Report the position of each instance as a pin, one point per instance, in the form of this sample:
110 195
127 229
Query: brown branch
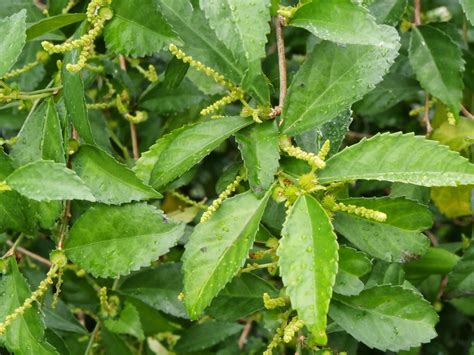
466 113
133 128
417 12
279 23
30 254
245 334
426 116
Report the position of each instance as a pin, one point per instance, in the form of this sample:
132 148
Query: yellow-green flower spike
28 303
138 117
234 95
20 71
4 187
314 160
330 203
221 198
277 338
108 305
187 200
324 151
272 303
212 73
292 328
451 119
308 182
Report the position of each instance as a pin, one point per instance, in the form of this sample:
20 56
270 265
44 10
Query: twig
417 12
133 129
31 255
279 22
90 344
13 246
64 224
426 116
432 237
466 113
245 334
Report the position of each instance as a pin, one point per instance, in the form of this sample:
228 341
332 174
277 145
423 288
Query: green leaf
26 334
258 145
390 157
162 99
13 31
40 137
398 239
393 89
437 62
388 12
137 30
169 158
323 19
51 24
127 323
14 211
110 182
109 241
205 335
217 249
45 180
468 8
308 263
243 26
352 265
461 279
333 78
9 8
202 43
386 318
437 261
158 287
73 93
241 297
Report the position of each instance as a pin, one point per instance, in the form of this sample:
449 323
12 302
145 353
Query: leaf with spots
309 262
217 249
13 31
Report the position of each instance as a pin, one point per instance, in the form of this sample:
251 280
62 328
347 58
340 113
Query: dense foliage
236 177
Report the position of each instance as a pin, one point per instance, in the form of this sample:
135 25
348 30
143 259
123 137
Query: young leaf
26 334
169 158
137 30
51 24
438 64
323 19
127 323
461 279
386 318
333 78
110 182
245 34
468 8
201 42
258 145
352 265
205 335
159 288
217 249
390 157
45 180
109 241
40 137
13 31
398 239
73 93
243 296
308 263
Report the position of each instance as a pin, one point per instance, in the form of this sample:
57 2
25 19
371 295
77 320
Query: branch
279 22
426 115
133 129
466 113
30 254
417 12
245 334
